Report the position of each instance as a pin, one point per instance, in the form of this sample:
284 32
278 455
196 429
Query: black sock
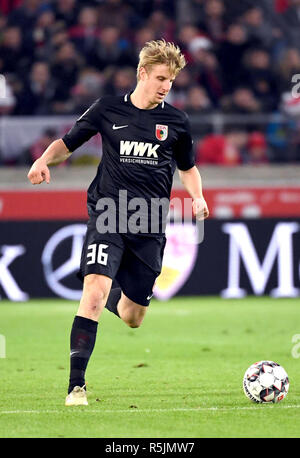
83 337
113 299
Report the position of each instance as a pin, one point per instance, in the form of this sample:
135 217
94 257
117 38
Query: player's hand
39 172
200 209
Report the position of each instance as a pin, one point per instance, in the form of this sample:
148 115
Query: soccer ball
266 381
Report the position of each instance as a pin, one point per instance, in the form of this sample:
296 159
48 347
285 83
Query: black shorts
132 261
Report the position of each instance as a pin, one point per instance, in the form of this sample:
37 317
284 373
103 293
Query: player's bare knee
134 321
96 289
90 307
96 299
134 324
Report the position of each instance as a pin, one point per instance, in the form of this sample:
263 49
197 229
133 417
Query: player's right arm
56 153
85 127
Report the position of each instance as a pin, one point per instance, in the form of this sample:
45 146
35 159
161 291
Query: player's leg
140 266
96 289
84 330
130 312
99 262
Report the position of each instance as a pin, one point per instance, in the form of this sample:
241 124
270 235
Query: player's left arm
191 180
189 174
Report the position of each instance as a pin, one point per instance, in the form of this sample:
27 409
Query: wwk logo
140 149
138 152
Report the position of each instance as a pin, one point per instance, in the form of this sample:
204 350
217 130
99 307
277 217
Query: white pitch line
193 409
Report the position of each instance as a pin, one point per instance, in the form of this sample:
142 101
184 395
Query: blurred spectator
223 149
198 101
288 67
234 10
118 14
122 82
205 67
189 11
257 149
43 29
162 26
66 11
291 17
209 75
37 149
37 93
58 37
88 88
278 134
283 135
212 23
141 37
258 28
186 34
65 69
13 57
109 50
179 93
259 76
198 46
86 32
25 15
242 101
230 55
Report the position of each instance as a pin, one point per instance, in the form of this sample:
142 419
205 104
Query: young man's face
157 82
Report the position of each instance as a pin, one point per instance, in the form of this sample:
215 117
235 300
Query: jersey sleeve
85 127
184 154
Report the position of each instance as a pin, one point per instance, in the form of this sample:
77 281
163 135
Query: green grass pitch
179 375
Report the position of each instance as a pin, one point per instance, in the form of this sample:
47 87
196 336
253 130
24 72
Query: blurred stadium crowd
58 56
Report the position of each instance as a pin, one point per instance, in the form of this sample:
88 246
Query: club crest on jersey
161 132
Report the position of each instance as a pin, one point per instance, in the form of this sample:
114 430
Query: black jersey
141 148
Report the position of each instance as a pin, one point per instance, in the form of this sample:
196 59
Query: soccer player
144 139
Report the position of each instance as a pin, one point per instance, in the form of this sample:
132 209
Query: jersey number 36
97 254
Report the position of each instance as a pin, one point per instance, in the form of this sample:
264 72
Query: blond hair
158 52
